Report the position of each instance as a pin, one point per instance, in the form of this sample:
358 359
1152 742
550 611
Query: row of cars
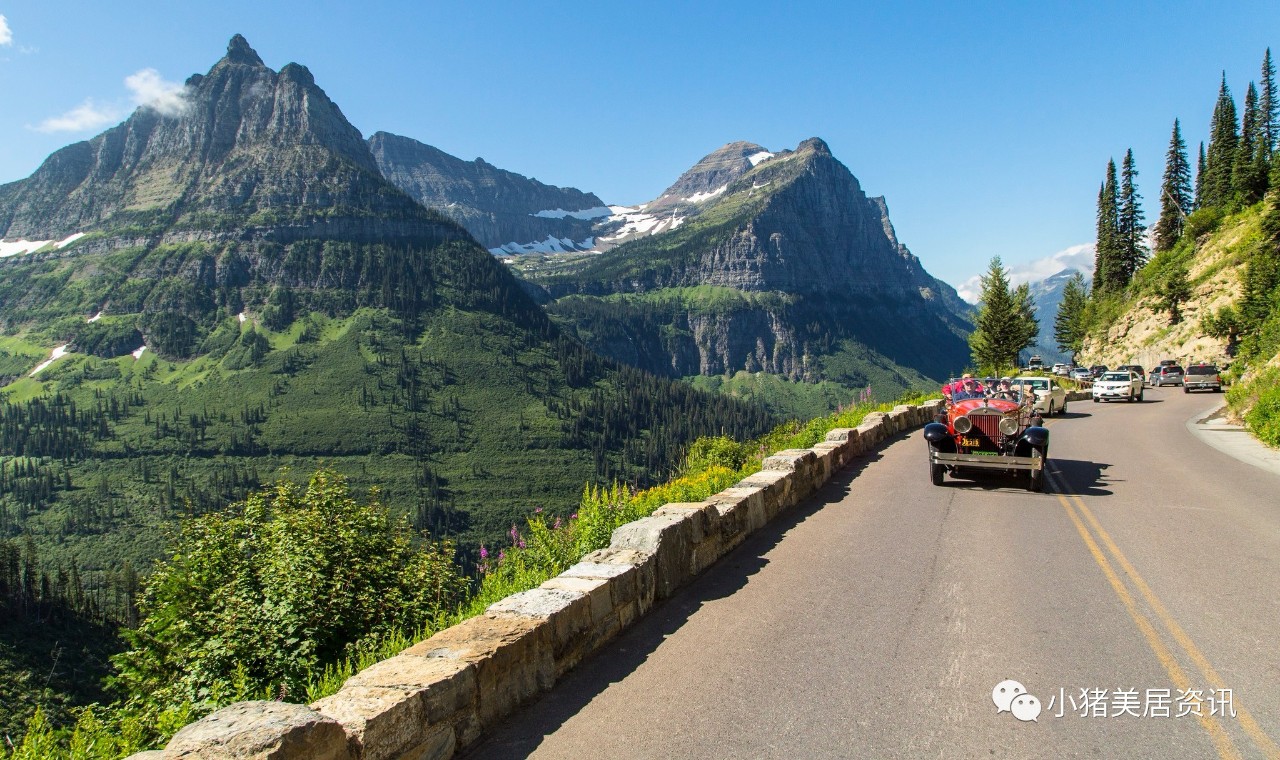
1128 380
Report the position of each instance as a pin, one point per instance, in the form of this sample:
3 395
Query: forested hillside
1210 289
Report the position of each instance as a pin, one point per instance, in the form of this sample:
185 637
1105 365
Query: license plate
969 442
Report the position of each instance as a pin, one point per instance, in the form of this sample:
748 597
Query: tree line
1234 171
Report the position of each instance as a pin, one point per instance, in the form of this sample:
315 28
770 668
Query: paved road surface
875 620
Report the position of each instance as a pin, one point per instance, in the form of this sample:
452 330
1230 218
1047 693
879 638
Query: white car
1114 386
1050 397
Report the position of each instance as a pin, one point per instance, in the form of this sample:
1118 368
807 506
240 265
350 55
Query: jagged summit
247 143
239 51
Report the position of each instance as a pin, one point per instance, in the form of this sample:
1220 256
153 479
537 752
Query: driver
1005 390
969 387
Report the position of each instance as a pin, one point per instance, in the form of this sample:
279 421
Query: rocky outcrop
494 205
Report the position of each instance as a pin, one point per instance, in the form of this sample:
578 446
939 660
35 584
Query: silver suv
1166 374
1202 377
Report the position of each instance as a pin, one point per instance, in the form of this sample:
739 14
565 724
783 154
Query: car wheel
1035 480
1050 412
1095 399
1063 410
1185 389
935 470
1139 395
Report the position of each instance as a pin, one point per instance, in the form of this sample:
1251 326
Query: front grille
988 425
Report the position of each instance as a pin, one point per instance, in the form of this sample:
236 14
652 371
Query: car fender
939 437
1035 437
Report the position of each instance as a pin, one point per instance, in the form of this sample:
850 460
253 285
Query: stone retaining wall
439 695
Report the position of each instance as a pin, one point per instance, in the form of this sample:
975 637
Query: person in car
1005 390
968 388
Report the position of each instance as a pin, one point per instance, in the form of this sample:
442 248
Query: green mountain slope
786 268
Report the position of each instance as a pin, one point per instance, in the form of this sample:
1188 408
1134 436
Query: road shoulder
1212 428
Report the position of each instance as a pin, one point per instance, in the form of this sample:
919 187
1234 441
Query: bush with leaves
259 597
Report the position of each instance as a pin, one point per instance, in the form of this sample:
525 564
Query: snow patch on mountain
708 195
58 353
756 158
550 245
31 246
95 317
587 213
137 352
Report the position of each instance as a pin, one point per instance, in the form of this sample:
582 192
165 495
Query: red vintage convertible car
989 434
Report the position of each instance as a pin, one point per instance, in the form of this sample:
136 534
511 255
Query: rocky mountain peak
814 144
716 170
239 51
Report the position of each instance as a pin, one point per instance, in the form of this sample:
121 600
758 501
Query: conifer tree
1107 265
1130 230
1005 324
1247 175
1175 192
1068 324
1268 108
1220 158
1200 171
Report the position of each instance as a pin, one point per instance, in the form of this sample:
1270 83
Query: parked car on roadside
1081 373
1202 377
1050 397
1134 368
1097 369
1166 374
1117 385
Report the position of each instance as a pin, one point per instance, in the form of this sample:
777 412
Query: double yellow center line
1076 510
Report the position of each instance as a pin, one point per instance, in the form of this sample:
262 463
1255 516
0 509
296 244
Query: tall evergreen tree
1268 108
1220 158
1130 231
1175 192
1248 176
1200 172
1005 324
1107 270
1068 324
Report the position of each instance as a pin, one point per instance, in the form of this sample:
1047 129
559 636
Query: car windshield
1121 377
1204 369
1038 383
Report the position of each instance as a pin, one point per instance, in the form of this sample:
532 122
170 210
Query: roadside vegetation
288 593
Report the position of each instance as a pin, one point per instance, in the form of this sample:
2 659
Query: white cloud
149 90
1076 257
146 89
88 115
6 35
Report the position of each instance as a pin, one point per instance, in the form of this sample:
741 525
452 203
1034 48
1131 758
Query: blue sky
987 126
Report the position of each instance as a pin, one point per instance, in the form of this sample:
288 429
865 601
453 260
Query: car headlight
1009 425
963 425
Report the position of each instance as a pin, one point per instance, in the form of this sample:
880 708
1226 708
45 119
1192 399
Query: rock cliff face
250 152
498 207
795 224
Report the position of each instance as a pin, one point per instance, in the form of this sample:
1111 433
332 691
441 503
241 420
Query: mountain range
235 288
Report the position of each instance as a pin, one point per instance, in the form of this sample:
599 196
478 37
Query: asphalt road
875 620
